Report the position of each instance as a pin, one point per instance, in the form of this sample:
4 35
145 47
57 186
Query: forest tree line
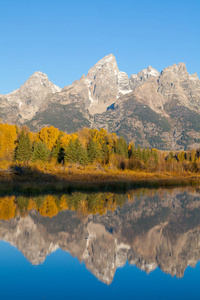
87 147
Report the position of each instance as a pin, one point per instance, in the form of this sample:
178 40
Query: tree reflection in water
149 228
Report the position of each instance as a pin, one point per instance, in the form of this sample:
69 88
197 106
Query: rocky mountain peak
150 71
107 98
194 76
106 65
182 67
110 58
31 94
137 80
175 69
105 84
172 86
40 81
39 75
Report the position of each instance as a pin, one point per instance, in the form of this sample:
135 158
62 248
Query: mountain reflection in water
149 228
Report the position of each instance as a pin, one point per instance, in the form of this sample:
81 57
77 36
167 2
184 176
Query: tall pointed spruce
40 152
93 151
23 151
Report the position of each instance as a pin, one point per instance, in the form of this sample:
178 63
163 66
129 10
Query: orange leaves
32 137
31 205
8 136
63 203
48 135
64 140
7 208
49 207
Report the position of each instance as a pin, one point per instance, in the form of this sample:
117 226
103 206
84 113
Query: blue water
62 276
156 228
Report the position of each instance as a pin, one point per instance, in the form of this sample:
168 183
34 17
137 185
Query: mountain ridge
106 97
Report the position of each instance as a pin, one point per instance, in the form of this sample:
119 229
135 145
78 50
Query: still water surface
139 245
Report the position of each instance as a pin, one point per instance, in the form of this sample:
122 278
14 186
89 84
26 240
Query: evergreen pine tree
40 152
144 155
92 151
155 156
75 152
55 150
80 154
23 151
70 152
134 155
121 147
148 153
139 153
58 152
104 152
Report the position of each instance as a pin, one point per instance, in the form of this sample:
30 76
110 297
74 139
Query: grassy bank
33 180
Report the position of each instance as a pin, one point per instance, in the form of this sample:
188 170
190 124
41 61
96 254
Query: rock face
105 83
138 79
31 95
153 109
160 230
8 112
173 85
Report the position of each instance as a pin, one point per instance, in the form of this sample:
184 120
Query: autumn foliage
88 147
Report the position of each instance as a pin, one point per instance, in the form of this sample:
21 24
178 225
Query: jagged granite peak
194 77
142 76
30 96
175 95
176 68
161 111
176 84
153 109
105 84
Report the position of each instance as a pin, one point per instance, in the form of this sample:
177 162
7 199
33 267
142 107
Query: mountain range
151 108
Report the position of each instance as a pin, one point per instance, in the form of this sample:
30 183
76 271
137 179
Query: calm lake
137 245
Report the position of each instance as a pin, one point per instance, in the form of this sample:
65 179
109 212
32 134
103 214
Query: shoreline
36 183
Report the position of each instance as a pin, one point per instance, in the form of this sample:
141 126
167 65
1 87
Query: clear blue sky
65 38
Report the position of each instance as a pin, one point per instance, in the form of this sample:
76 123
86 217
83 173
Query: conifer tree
148 153
80 154
23 151
139 152
104 152
40 152
55 150
93 152
144 155
58 152
121 147
75 152
155 155
70 152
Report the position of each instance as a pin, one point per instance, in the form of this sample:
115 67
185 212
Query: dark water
139 245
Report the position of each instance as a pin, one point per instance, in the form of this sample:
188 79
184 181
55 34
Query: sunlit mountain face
148 228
